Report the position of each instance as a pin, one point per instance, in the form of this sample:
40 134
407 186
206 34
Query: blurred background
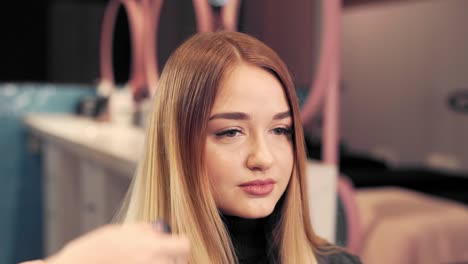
403 118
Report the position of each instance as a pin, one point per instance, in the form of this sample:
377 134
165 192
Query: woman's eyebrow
282 115
230 115
244 116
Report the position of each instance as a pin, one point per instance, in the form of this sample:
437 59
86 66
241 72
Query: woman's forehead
250 92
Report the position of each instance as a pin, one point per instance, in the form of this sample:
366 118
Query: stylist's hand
126 244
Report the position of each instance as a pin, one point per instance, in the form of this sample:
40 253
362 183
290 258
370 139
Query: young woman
224 163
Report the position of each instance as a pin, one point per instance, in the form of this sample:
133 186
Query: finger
171 245
181 260
161 226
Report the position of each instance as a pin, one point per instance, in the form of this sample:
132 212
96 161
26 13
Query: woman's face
249 151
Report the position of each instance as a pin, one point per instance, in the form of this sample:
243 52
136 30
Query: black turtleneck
253 238
248 238
252 241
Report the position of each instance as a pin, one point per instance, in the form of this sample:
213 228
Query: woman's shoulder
337 256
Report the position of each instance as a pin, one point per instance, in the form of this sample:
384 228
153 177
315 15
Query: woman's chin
256 212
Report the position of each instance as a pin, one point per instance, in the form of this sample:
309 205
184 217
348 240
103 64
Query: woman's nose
260 157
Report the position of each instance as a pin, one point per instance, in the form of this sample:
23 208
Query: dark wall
291 28
58 41
23 41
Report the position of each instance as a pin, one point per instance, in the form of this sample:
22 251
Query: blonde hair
171 181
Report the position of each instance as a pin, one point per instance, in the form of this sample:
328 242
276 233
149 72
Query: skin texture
253 144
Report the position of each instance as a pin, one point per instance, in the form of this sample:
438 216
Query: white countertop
116 146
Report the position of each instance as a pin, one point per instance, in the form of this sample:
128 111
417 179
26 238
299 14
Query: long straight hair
171 182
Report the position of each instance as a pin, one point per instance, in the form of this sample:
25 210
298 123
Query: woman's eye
228 133
282 131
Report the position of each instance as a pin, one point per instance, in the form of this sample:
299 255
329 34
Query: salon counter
87 168
88 165
114 146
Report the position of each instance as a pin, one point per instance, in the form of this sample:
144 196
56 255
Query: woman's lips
258 187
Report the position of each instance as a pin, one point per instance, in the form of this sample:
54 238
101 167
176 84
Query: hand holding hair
126 244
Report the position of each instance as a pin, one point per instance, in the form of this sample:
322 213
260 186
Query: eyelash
233 132
227 132
283 131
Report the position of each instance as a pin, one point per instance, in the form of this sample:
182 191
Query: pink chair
207 20
143 18
324 93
